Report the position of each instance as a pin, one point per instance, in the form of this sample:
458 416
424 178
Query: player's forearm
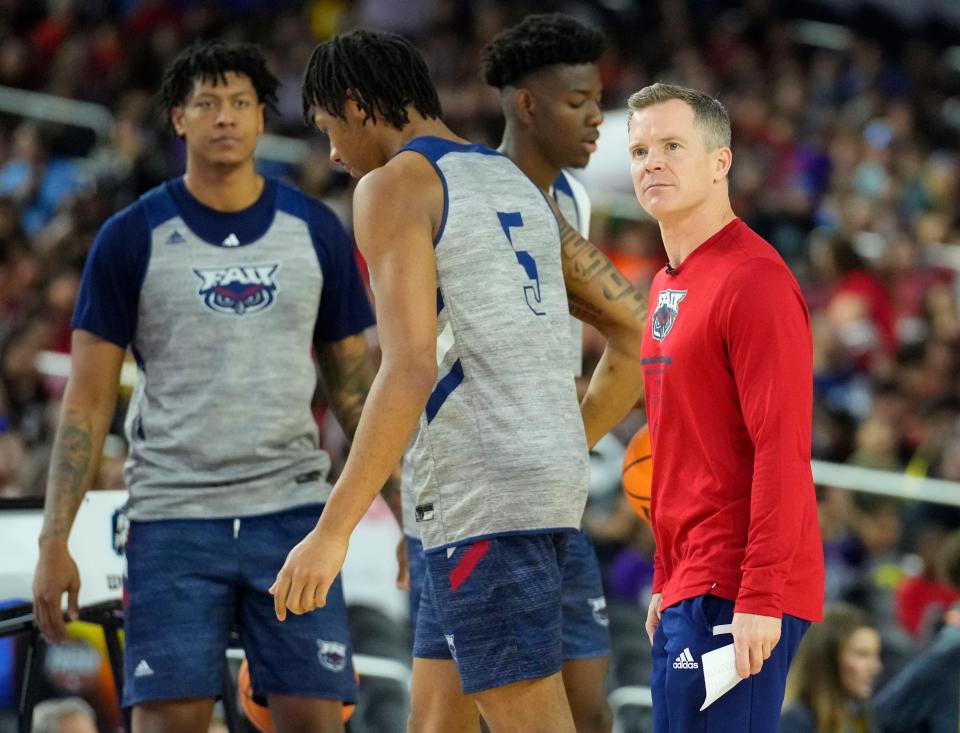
391 495
614 389
77 447
397 399
347 375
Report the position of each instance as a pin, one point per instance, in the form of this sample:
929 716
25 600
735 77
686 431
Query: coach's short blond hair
708 113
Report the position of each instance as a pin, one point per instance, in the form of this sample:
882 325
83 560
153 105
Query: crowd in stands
845 158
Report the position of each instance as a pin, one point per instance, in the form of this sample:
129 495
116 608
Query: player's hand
754 638
309 571
403 566
55 575
653 615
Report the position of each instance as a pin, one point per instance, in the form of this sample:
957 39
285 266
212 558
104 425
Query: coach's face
353 146
220 119
674 172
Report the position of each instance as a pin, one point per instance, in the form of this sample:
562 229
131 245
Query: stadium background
846 119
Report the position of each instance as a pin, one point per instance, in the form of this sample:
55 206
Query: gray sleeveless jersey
220 422
500 448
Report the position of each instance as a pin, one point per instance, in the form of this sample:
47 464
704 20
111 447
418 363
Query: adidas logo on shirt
142 669
175 238
685 661
231 241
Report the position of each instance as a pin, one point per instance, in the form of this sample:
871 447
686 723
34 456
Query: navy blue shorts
494 607
585 623
586 632
417 566
189 582
688 630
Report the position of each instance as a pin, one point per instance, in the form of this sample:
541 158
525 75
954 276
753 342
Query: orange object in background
638 473
256 711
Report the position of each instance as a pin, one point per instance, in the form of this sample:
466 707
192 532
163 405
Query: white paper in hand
719 673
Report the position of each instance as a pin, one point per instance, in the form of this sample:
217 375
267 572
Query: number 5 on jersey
512 220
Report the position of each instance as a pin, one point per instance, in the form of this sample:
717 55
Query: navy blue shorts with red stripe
494 606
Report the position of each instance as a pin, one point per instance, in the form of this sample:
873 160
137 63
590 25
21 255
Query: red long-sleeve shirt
728 367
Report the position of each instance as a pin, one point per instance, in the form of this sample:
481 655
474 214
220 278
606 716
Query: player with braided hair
475 276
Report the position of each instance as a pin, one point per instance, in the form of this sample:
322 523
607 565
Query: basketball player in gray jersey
471 270
223 282
546 70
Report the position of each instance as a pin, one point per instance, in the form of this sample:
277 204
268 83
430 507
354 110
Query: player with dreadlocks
223 282
472 268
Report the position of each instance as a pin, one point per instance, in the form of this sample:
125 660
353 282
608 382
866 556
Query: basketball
256 710
638 473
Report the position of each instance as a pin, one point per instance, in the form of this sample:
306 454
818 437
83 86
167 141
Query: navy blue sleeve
918 692
344 307
112 277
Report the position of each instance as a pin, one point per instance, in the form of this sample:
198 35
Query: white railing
99 119
887 483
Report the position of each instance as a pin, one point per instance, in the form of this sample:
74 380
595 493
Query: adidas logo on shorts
685 661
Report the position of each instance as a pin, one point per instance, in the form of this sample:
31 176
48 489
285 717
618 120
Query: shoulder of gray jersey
581 200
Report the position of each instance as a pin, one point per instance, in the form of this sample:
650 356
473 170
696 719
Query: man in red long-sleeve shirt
727 359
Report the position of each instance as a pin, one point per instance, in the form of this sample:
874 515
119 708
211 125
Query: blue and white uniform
225 471
585 621
498 464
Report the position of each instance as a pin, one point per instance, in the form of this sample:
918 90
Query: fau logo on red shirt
238 289
668 308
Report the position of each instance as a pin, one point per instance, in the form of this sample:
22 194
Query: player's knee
306 715
423 720
414 722
597 719
420 722
303 725
592 715
590 710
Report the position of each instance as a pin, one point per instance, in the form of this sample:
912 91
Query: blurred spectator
925 696
873 565
67 715
37 180
19 269
833 674
924 596
25 394
12 458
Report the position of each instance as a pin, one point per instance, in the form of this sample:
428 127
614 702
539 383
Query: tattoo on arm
69 466
347 379
585 263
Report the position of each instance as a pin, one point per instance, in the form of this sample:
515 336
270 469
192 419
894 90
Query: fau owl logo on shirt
238 289
668 307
